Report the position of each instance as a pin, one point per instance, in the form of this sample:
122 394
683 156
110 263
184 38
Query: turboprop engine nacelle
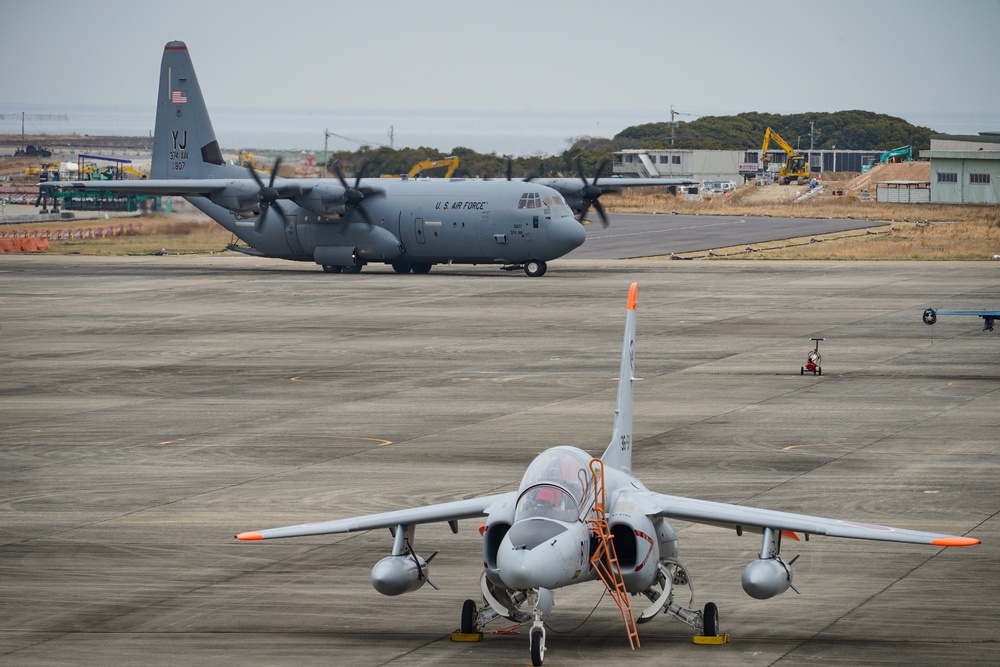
395 575
239 196
322 199
766 577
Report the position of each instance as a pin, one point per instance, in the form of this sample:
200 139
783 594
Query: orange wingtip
633 295
955 542
249 536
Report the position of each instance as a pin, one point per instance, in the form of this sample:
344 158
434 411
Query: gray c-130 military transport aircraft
343 225
575 518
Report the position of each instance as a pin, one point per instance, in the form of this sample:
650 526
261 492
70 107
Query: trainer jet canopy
346 222
577 518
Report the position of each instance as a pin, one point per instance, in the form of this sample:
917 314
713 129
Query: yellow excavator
795 166
246 159
451 162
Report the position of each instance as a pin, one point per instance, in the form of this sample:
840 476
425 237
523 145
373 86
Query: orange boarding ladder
604 560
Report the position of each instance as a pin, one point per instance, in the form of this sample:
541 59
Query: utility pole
33 116
673 123
326 138
813 133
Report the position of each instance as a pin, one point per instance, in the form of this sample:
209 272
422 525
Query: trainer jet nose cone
532 562
566 234
530 568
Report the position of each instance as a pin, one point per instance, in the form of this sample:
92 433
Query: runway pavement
631 235
151 408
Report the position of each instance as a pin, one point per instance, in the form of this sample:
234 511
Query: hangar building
965 169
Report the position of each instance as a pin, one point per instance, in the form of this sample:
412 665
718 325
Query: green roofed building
965 169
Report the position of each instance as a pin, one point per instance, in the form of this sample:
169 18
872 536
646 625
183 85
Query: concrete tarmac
151 408
632 235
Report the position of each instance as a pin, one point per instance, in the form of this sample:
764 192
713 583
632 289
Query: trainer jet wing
450 512
571 511
741 517
989 316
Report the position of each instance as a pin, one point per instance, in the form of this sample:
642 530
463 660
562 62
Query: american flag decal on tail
179 97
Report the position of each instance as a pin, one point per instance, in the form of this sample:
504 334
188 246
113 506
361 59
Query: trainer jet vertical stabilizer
344 223
577 518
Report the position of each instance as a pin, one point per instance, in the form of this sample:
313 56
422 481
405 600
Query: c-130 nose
564 235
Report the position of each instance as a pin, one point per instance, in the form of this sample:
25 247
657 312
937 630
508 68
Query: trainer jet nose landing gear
813 360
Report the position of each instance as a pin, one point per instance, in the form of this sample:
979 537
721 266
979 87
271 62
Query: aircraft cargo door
291 233
449 237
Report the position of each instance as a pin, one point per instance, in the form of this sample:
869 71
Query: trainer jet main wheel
468 626
710 620
535 268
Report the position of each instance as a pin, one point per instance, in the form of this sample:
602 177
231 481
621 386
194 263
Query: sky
933 63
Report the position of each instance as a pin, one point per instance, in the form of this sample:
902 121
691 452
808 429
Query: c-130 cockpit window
533 200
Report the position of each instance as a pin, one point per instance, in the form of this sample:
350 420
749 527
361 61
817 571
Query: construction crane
451 162
795 166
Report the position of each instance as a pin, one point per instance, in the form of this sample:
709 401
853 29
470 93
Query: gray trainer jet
343 224
576 518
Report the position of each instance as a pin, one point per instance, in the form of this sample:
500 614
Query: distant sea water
507 133
524 133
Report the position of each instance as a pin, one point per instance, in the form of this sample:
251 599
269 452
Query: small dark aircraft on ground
989 316
343 224
576 518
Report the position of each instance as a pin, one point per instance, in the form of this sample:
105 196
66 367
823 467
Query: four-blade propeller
591 193
355 195
267 195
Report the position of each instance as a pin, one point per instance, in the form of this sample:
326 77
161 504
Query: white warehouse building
719 165
700 165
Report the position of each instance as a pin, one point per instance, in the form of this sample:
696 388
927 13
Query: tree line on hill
846 130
